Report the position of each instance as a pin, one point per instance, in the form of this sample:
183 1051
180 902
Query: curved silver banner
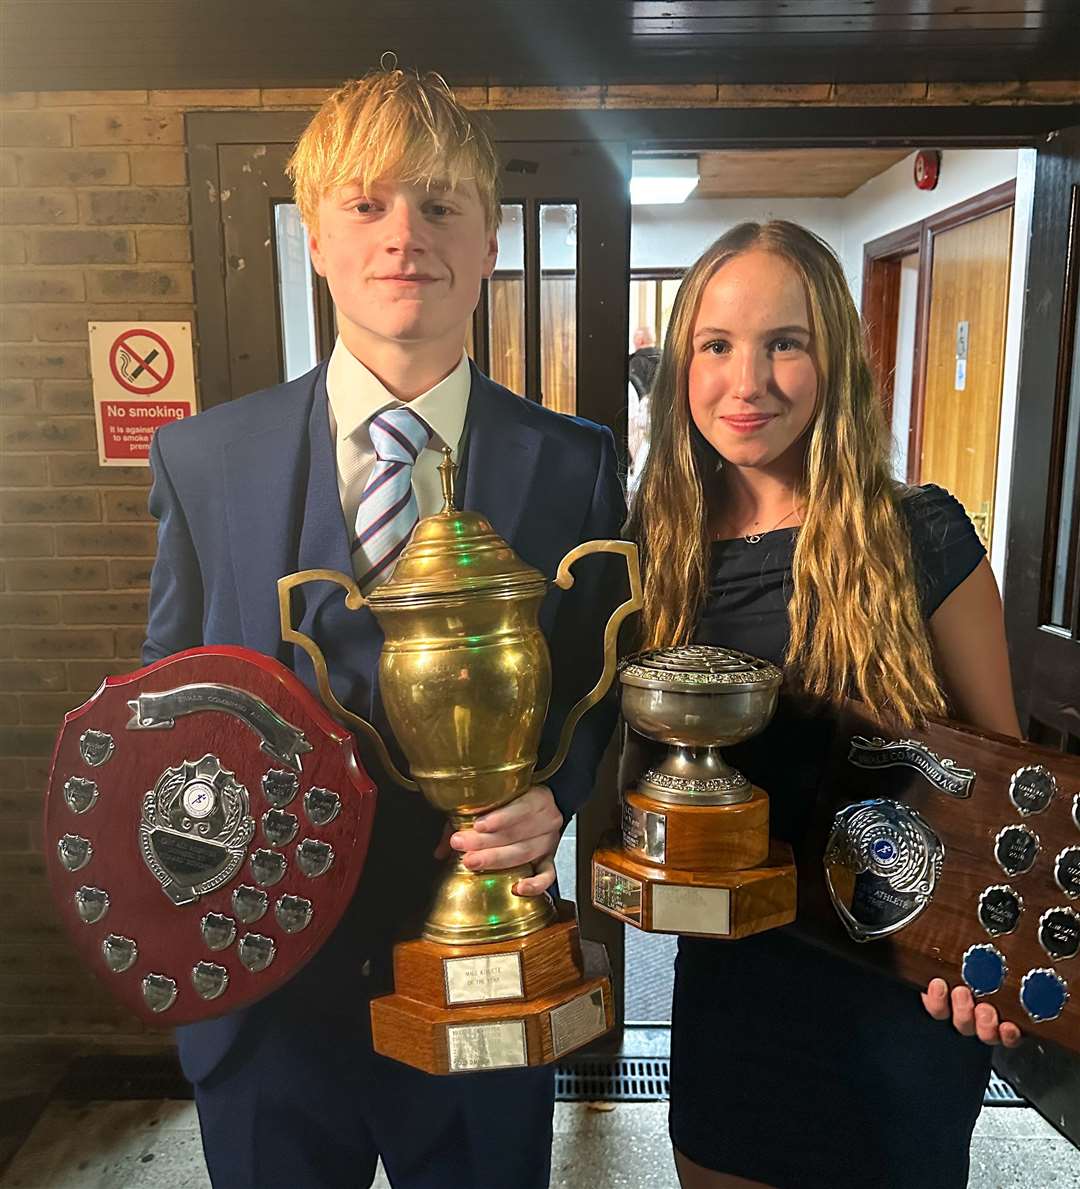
280 739
945 775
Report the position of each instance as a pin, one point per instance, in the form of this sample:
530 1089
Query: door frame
880 305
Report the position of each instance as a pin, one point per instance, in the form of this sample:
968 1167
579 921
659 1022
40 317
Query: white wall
674 236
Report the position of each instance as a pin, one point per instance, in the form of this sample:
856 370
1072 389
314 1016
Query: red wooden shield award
206 824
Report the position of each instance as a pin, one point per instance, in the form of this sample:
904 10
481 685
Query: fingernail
938 986
457 841
473 862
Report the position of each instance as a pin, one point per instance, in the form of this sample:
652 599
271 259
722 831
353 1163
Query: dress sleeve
944 544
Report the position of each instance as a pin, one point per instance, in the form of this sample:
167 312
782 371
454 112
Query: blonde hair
856 622
393 124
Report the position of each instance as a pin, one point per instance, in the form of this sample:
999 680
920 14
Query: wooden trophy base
707 870
514 1003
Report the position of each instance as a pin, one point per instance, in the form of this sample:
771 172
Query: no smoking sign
144 377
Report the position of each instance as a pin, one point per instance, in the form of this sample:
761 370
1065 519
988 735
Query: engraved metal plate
119 952
195 828
1059 933
267 867
209 979
74 851
678 909
999 909
256 951
91 904
80 794
314 857
983 969
945 775
1067 871
159 991
96 747
577 1022
280 827
483 979
1076 810
293 913
1032 788
1043 994
1016 849
498 1045
617 892
644 831
218 930
249 903
882 864
321 806
279 787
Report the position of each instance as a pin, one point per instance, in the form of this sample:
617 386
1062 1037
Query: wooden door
965 353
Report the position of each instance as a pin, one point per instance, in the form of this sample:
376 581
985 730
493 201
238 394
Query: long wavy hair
856 623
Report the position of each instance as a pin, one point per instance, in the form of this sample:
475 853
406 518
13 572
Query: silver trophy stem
695 776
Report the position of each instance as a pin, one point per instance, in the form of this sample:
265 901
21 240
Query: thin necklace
753 538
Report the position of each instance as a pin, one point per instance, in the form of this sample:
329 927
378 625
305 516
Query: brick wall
95 224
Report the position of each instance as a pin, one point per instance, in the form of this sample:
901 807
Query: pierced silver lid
698 668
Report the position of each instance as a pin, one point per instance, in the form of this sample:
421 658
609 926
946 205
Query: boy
397 187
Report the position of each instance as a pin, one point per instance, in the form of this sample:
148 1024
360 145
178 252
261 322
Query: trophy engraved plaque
958 858
695 855
174 831
465 678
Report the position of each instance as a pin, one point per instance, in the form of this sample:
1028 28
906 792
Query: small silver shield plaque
321 806
209 979
91 904
267 866
882 864
249 903
293 913
159 991
218 930
74 851
96 747
1032 788
119 952
256 951
314 857
279 826
80 794
279 787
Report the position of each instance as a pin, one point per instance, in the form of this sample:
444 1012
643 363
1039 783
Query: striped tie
388 510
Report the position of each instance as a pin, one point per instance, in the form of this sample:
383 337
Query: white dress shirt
356 395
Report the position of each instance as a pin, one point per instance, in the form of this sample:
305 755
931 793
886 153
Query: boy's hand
525 831
968 1018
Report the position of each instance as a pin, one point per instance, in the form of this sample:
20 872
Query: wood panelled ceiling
112 44
790 173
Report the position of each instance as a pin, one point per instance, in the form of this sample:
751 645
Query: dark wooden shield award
946 852
206 824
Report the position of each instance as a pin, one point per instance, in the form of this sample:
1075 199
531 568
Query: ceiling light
662 179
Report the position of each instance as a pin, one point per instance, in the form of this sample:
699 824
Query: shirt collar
356 395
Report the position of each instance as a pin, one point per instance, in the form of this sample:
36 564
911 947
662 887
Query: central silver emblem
882 864
195 828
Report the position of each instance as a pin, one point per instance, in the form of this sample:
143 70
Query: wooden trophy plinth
461 1008
708 870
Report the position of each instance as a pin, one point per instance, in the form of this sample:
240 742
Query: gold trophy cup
496 980
695 854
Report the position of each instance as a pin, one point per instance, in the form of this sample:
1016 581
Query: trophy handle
564 580
354 600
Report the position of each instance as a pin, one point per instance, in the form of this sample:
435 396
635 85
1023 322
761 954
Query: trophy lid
453 553
698 668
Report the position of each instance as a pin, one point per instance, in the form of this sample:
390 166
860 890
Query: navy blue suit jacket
247 492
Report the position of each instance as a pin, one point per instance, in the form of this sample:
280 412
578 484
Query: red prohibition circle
149 366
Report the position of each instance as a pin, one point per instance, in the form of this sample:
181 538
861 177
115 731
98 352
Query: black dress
788 1065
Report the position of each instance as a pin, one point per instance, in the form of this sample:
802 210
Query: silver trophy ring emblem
882 865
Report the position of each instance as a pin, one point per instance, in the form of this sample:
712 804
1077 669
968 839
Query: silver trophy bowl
696 699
